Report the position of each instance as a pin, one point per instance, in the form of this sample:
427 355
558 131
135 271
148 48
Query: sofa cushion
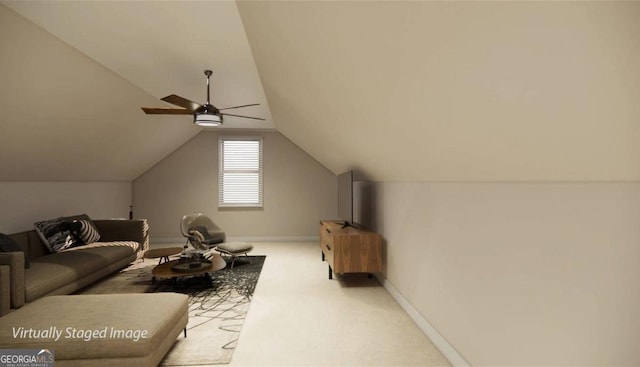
48 273
8 244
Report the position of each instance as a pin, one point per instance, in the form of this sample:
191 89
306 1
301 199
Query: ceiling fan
203 115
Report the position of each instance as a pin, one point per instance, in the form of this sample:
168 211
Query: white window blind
240 171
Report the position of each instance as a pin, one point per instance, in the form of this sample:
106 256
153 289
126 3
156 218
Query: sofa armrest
5 293
124 230
15 261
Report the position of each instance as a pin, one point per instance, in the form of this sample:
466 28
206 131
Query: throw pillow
95 237
56 234
7 244
203 231
85 231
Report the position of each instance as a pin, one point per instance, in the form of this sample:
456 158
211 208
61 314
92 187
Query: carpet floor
217 306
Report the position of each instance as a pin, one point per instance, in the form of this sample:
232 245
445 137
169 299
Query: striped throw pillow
85 231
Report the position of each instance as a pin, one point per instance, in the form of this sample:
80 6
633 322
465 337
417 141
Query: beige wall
298 191
88 125
519 274
24 203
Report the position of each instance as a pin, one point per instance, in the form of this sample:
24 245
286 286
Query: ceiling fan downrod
208 74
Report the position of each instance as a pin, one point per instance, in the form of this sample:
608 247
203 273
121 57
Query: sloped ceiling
455 91
433 91
75 74
65 117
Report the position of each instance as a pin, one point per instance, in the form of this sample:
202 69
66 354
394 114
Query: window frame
221 171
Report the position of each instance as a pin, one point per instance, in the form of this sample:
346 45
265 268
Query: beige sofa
121 242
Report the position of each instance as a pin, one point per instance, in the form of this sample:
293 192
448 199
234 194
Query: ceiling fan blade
166 111
182 102
246 117
245 105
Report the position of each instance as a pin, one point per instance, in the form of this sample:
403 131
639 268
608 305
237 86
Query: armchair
199 230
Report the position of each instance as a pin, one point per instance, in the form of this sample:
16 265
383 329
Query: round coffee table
166 270
162 253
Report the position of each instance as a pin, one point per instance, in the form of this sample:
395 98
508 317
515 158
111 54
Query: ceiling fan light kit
206 115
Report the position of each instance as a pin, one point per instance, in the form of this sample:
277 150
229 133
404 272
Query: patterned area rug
217 306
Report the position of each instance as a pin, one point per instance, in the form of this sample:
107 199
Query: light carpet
217 307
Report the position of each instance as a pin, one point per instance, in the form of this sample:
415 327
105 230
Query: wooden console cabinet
350 250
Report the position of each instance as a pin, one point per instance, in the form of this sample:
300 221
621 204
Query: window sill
240 207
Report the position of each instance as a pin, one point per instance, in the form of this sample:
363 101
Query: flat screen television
345 197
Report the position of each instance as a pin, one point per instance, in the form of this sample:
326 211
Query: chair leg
234 256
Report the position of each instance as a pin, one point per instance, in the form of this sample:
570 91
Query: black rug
242 279
217 306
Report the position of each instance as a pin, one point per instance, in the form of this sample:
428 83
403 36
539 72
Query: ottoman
234 249
99 330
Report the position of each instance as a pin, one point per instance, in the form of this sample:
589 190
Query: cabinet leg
322 255
330 273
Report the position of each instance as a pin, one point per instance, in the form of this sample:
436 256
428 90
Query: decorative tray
191 266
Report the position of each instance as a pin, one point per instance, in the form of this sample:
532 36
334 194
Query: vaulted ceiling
75 74
429 91
455 91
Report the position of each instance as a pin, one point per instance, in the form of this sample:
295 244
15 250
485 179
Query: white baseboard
246 239
153 240
438 340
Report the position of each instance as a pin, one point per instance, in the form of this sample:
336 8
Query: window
240 171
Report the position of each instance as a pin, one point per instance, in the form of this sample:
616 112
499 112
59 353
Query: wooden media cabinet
350 249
